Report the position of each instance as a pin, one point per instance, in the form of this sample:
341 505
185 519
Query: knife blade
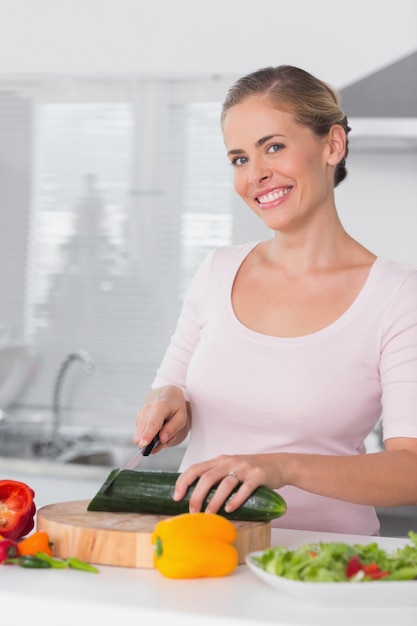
136 459
132 463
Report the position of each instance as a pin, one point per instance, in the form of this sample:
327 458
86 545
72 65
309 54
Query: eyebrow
260 142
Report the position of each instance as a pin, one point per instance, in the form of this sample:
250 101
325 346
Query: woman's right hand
165 411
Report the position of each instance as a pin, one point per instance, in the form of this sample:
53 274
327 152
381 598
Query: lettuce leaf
328 562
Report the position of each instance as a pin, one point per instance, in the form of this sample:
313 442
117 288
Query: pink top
320 393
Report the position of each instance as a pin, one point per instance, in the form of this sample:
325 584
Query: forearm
380 479
385 479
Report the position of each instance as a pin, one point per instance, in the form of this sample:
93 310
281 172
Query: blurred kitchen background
114 182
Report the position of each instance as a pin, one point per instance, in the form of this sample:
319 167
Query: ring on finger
233 473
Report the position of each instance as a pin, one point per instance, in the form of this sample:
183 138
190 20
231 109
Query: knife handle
148 449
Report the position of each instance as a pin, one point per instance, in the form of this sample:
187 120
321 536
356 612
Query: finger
161 446
238 498
139 427
152 421
212 476
187 478
168 431
163 420
223 494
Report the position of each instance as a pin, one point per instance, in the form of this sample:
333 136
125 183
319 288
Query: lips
273 196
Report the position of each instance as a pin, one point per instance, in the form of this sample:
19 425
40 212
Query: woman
287 351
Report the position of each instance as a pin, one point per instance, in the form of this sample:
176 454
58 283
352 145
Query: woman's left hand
387 478
227 472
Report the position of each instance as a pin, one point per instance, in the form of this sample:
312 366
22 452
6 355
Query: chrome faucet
82 356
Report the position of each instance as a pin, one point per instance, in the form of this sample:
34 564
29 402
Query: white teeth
274 195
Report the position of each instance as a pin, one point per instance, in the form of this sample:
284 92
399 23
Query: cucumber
129 491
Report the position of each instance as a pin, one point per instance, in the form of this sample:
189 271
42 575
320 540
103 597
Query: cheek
240 183
241 186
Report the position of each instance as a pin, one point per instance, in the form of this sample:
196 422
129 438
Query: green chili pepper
29 561
81 565
51 561
72 562
43 561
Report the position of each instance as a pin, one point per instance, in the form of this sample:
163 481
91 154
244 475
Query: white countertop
138 596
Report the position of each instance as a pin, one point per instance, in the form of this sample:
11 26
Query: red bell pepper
8 549
17 509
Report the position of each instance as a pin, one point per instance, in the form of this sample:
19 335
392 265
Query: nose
258 171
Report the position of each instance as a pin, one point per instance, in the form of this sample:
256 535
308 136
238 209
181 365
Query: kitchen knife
133 462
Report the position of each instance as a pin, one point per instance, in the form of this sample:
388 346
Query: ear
336 142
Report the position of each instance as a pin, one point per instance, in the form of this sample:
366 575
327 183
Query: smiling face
282 170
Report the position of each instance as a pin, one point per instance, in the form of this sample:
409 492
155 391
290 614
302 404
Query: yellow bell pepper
206 524
195 545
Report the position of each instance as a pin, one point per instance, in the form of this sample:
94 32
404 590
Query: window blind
112 192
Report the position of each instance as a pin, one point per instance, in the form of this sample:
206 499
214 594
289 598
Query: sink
99 456
117 455
89 452
99 450
31 441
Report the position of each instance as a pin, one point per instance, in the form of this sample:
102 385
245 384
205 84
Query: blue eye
238 161
276 147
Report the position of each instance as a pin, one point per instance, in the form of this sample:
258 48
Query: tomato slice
372 570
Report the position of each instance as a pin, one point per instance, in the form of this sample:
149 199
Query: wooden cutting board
122 539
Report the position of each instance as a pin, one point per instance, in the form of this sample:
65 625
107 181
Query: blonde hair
311 101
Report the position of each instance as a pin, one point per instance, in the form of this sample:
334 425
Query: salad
340 562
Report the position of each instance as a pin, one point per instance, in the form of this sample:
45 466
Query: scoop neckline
238 327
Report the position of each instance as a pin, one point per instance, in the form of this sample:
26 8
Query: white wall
339 41
378 201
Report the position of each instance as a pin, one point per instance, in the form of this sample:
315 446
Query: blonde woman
288 351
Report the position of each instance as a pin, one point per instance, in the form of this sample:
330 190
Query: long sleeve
183 342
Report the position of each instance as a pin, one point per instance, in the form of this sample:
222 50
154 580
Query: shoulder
233 255
398 268
395 290
235 251
396 276
218 263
